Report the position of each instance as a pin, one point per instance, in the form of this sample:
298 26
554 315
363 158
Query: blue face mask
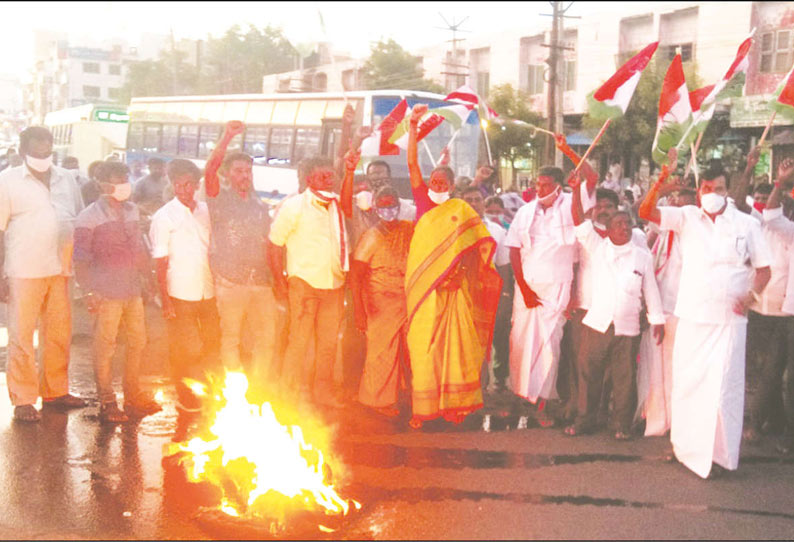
388 214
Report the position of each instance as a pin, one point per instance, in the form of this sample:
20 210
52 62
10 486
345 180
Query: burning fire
263 468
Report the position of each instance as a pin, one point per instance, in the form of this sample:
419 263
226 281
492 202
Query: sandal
620 435
571 431
110 413
415 423
388 411
142 407
65 402
26 413
751 436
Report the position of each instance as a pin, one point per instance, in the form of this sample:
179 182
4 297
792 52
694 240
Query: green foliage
389 66
632 134
509 140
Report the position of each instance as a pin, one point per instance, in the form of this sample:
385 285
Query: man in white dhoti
720 247
542 250
655 371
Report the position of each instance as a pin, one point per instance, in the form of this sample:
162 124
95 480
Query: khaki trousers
111 313
315 316
255 306
45 301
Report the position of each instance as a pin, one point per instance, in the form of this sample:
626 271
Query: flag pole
693 159
592 145
766 130
430 154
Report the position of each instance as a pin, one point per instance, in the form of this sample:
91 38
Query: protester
623 278
452 292
377 279
111 265
91 190
495 211
720 247
542 251
309 232
39 203
71 164
148 191
180 235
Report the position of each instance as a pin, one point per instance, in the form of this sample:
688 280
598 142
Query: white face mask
712 203
438 197
549 198
324 194
599 226
121 192
364 200
40 165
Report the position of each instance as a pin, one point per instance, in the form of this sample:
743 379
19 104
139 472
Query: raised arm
590 175
648 209
211 181
577 211
345 140
785 176
740 191
346 193
413 154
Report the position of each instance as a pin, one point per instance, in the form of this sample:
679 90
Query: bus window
135 137
208 137
280 142
151 137
188 140
307 143
170 139
69 134
332 131
256 143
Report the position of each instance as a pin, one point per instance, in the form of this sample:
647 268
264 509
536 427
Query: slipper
110 413
571 431
620 435
388 411
142 407
415 423
26 413
64 402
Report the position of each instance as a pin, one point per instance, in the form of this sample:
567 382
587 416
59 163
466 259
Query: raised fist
418 112
351 159
753 157
234 127
785 171
348 115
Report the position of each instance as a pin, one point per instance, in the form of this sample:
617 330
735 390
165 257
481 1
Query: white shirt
184 237
407 210
667 263
717 261
624 275
308 231
547 239
779 234
502 255
584 273
38 222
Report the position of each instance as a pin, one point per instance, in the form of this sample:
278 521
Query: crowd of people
564 300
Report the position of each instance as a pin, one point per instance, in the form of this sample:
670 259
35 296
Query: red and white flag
467 94
612 99
675 112
378 144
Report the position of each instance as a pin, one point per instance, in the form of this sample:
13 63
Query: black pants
770 350
599 352
568 374
193 344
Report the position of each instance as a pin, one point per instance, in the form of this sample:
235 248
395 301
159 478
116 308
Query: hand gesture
351 159
575 180
785 171
560 141
417 113
741 304
483 172
363 132
753 157
672 156
658 333
234 127
531 299
443 160
348 115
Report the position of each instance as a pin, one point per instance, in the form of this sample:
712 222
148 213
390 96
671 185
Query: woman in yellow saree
452 291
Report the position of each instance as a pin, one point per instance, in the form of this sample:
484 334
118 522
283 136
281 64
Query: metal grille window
90 67
777 51
170 139
188 140
135 136
209 136
307 143
280 146
151 138
535 78
90 91
255 143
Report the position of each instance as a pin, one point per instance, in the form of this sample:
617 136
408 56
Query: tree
170 75
511 140
389 66
631 136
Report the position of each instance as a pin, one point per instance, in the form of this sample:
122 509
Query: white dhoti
655 379
708 394
535 341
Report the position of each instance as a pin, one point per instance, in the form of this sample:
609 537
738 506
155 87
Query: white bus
89 132
281 129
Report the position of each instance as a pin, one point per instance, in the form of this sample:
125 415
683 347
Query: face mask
549 199
364 200
121 192
712 203
324 195
494 218
438 197
599 226
759 206
388 214
40 165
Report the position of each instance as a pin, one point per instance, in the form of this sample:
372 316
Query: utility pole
556 77
452 68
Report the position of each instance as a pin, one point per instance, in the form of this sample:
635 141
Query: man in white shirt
770 329
309 232
655 370
542 249
501 333
38 206
720 247
623 274
180 235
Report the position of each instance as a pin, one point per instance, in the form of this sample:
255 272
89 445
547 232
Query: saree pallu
450 329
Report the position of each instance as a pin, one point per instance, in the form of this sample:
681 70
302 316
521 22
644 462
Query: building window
535 80
90 67
90 91
570 74
669 51
114 69
483 83
777 50
114 93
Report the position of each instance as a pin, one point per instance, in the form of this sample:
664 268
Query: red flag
697 96
387 127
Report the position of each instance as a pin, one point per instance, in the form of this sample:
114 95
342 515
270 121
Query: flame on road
262 467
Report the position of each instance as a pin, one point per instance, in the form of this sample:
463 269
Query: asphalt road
70 477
